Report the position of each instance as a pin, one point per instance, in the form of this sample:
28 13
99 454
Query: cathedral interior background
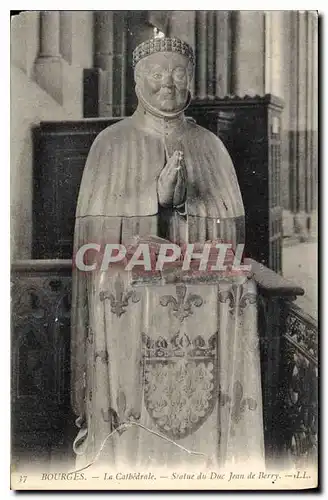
256 86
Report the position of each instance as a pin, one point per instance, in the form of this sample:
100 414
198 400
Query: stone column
313 104
201 54
120 62
301 106
268 52
300 217
103 59
18 32
247 53
293 124
277 53
207 48
211 53
223 53
110 58
48 66
66 34
286 83
302 109
49 34
309 111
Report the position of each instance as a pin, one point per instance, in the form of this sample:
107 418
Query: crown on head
162 45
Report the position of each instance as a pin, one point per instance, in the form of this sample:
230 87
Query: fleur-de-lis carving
237 299
181 305
238 404
120 301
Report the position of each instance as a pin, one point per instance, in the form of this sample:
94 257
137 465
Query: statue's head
163 73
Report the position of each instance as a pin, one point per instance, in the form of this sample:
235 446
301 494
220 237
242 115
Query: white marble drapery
181 360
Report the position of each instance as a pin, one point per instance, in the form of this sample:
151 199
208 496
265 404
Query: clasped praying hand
172 181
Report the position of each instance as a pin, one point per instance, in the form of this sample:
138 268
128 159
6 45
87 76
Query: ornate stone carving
299 389
181 306
302 329
180 382
237 298
120 301
40 351
238 403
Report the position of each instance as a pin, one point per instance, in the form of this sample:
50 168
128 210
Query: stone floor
300 264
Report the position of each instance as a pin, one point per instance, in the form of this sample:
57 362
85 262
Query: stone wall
44 86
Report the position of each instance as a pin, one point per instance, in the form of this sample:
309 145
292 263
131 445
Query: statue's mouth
169 94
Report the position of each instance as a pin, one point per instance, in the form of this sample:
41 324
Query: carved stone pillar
110 58
201 54
103 59
247 67
211 53
77 38
207 79
309 112
302 97
303 102
66 34
293 72
312 106
48 66
223 53
49 34
301 178
120 63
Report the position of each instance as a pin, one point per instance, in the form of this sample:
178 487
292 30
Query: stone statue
154 173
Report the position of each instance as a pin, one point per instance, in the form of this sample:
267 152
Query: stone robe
118 200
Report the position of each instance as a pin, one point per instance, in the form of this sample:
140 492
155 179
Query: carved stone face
163 80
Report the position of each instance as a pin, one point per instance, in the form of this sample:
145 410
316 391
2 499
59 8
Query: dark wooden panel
60 150
250 130
40 348
91 92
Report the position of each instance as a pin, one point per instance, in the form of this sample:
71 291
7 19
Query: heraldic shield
180 372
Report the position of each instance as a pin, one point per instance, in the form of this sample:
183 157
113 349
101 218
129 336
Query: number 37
22 479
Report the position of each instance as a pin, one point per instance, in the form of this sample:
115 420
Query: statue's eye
157 76
179 74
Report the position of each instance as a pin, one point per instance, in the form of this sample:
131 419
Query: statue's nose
167 80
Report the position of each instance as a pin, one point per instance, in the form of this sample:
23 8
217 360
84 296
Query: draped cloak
118 200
